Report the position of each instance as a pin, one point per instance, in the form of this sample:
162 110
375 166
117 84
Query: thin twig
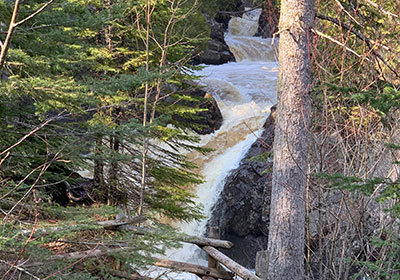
33 131
22 269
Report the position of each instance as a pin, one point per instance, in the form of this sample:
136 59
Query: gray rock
217 51
215 45
210 57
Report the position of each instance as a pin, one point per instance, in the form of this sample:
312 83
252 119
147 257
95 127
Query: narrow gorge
245 91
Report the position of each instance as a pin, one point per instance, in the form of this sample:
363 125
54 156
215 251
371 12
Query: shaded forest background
106 87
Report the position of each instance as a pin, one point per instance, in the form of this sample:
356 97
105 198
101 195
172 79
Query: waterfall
245 91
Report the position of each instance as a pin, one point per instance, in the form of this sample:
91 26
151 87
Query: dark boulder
75 190
217 51
242 211
209 118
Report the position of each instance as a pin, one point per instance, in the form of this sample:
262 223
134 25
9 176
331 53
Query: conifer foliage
96 86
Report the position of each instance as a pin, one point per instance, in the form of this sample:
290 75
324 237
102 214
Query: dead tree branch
370 43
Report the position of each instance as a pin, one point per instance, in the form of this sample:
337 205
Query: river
245 91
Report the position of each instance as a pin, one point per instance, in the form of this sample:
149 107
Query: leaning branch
13 24
352 30
361 36
38 11
11 27
382 10
337 42
192 268
30 133
231 264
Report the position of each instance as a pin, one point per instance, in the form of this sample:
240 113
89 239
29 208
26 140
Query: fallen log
89 253
200 241
230 264
193 268
126 275
213 232
111 224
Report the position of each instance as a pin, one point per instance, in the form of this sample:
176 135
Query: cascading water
245 91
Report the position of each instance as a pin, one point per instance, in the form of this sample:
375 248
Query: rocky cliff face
242 211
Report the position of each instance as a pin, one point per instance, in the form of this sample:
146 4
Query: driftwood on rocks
230 264
213 232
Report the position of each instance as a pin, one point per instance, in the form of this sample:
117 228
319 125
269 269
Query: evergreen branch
34 28
38 11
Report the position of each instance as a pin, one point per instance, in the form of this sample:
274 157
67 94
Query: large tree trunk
287 220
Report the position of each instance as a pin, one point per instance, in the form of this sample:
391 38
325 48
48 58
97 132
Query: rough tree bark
287 213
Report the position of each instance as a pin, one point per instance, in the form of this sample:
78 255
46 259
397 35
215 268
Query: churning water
245 91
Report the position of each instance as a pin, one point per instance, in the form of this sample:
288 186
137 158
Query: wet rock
75 191
217 51
210 57
242 211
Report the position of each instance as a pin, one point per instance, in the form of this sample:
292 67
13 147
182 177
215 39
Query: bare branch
33 131
7 41
338 43
38 11
21 269
361 36
387 13
346 12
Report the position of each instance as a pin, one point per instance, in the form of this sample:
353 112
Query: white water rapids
245 91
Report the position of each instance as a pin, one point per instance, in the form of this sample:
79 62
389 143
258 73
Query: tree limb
13 24
11 27
361 36
38 11
337 42
347 13
387 13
